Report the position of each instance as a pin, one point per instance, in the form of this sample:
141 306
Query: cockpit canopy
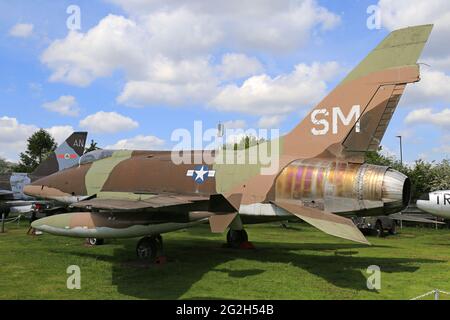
95 155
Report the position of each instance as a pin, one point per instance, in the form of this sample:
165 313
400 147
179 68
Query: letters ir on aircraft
320 117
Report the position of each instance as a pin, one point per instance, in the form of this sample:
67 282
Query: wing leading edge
135 202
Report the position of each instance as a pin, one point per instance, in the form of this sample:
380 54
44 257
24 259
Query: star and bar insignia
200 173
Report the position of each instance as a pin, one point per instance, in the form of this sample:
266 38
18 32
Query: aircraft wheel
95 241
236 237
147 248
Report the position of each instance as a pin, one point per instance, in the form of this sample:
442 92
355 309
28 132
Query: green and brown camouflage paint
319 165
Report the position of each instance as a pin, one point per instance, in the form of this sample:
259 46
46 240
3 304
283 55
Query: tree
5 167
441 176
92 147
245 143
375 157
425 176
421 175
39 146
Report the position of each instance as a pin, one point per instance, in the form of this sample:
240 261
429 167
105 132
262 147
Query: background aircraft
320 174
65 156
437 203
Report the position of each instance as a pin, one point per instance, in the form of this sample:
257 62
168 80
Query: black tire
146 248
393 229
236 237
379 229
95 241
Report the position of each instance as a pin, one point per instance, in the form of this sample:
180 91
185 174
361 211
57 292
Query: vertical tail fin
65 156
354 116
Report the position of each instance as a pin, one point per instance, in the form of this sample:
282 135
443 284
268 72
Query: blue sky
137 70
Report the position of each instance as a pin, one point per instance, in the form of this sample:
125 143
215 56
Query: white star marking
201 173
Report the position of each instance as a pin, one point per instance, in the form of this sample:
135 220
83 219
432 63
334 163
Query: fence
436 293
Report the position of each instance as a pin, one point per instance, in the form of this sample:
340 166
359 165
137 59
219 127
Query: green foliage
421 175
5 166
92 147
245 143
39 146
441 177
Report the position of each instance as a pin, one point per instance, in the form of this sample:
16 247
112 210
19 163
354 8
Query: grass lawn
295 263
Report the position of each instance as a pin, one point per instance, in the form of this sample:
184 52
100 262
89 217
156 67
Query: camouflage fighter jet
320 175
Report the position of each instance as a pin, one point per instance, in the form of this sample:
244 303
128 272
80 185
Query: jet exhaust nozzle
396 190
343 187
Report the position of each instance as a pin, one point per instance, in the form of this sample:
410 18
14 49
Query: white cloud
65 105
282 25
426 116
139 142
21 30
235 124
14 135
60 133
80 58
404 13
180 31
264 95
165 48
433 86
235 66
107 122
171 82
272 121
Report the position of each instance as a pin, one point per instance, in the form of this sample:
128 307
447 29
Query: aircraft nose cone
420 204
30 190
38 223
58 221
423 205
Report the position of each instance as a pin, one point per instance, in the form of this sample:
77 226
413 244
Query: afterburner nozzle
396 190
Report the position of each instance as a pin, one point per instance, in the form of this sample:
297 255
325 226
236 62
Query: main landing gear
238 239
151 248
95 241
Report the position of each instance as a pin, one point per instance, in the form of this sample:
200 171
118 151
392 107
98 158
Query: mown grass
295 263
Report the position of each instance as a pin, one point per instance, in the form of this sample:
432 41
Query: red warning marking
67 156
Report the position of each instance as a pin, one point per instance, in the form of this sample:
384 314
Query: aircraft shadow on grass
189 261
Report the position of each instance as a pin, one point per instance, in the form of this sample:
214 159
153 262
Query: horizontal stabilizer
220 222
325 221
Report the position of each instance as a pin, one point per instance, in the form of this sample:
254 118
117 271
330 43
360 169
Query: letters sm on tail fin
65 156
353 118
